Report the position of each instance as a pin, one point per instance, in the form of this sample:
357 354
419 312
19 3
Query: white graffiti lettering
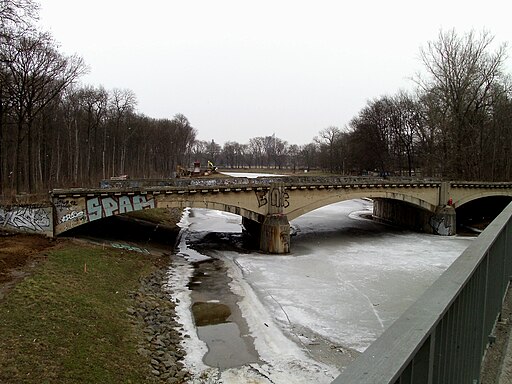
33 219
65 204
72 216
98 208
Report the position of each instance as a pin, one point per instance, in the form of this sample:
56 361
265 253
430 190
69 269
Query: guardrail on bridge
442 337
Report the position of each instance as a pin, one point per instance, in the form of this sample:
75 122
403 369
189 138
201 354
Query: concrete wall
30 218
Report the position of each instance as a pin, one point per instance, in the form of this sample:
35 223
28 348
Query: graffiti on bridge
439 226
74 215
262 198
25 218
277 198
99 207
68 210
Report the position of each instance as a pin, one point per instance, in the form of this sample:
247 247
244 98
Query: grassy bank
68 323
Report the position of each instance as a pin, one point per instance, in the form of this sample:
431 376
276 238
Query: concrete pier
275 234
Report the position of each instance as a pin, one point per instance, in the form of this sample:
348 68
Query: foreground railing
442 337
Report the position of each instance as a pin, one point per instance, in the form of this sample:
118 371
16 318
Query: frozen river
310 313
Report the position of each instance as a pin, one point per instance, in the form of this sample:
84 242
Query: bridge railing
442 337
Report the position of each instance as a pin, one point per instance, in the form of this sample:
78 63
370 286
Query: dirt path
19 255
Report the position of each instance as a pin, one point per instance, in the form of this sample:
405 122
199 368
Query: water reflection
218 319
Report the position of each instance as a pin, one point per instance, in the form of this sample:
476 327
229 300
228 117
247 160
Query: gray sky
240 69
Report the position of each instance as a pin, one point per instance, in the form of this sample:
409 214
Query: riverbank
71 311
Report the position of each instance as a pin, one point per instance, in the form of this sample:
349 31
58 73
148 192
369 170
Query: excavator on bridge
196 170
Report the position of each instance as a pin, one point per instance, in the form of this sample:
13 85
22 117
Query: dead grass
67 322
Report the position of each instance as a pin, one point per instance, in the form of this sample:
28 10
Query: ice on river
347 279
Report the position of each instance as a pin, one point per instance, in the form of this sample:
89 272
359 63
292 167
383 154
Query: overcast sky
240 69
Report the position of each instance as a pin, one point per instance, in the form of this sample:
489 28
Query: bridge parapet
262 181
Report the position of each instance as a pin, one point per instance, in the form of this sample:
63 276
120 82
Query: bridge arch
358 194
469 197
206 204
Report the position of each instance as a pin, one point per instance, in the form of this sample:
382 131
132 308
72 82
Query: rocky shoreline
155 313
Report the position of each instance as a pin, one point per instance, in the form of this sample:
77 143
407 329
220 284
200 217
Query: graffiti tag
72 216
33 219
65 204
262 198
279 198
439 226
98 207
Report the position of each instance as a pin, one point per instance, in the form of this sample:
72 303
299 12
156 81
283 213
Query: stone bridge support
273 234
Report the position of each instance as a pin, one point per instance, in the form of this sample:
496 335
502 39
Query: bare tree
184 138
94 105
328 139
16 17
256 150
463 73
121 109
34 73
309 154
229 153
371 137
281 152
405 120
17 14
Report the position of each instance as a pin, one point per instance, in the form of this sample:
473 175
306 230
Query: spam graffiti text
98 207
25 218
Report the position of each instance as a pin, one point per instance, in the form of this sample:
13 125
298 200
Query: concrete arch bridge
268 204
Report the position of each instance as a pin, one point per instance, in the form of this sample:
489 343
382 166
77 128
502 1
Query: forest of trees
56 132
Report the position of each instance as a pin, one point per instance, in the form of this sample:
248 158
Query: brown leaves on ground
19 254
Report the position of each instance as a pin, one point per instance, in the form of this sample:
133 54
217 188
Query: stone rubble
161 347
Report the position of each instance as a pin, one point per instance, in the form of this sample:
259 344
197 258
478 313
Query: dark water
218 318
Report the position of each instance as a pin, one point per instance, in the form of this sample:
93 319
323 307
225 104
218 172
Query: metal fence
442 337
